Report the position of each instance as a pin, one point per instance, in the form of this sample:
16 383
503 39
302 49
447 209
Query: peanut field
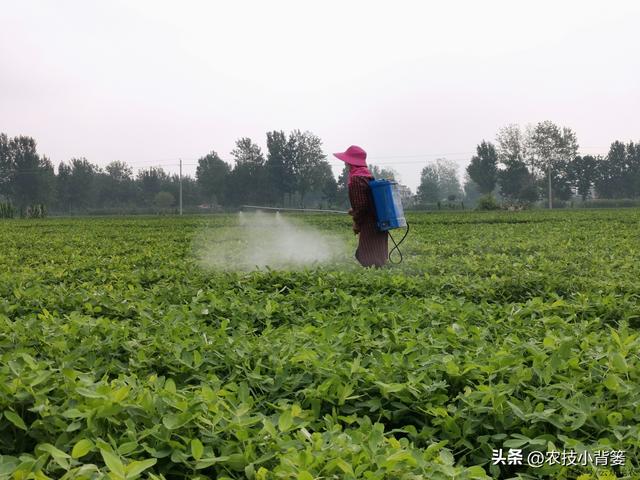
122 357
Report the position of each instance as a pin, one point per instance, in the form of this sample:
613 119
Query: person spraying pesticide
375 208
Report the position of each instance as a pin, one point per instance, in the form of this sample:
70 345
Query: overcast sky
148 82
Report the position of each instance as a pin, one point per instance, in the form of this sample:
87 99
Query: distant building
407 197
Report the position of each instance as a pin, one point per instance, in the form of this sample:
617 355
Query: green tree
212 175
164 200
6 166
116 185
483 169
81 183
248 179
151 181
383 173
343 191
119 171
550 150
429 188
517 183
515 178
279 166
326 183
308 162
27 178
583 173
618 174
438 181
633 162
63 187
471 190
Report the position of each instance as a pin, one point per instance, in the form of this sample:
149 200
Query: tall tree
326 183
483 169
517 183
212 175
619 172
515 178
6 166
429 188
116 185
633 162
151 181
448 182
81 183
28 178
63 187
512 147
550 149
471 190
119 171
343 189
309 160
381 172
247 153
279 166
247 181
583 171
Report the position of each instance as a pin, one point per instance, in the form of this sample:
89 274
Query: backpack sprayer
388 206
389 211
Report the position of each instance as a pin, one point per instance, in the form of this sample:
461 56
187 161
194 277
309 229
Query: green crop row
121 357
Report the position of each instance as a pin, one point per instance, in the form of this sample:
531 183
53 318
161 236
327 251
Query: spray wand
396 246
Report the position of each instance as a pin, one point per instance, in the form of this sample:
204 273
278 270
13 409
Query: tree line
293 171
542 162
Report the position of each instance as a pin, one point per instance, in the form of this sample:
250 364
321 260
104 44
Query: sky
149 82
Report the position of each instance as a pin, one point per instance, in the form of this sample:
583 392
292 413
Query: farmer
372 245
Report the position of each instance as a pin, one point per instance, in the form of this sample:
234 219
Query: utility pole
549 175
180 186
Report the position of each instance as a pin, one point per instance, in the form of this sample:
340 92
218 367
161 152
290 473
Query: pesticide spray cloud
260 240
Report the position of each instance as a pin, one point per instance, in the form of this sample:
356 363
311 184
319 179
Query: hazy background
148 82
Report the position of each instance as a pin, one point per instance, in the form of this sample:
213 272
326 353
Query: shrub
487 202
7 210
164 200
610 203
37 210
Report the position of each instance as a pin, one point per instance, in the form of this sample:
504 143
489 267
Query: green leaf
207 462
612 382
515 443
174 421
517 410
81 448
127 448
55 452
618 362
14 418
59 456
344 466
452 368
113 463
304 475
447 457
8 464
85 392
285 422
136 467
170 386
476 472
196 448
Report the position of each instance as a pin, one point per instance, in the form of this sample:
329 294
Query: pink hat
353 156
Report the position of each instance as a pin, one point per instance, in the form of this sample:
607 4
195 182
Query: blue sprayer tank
386 198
